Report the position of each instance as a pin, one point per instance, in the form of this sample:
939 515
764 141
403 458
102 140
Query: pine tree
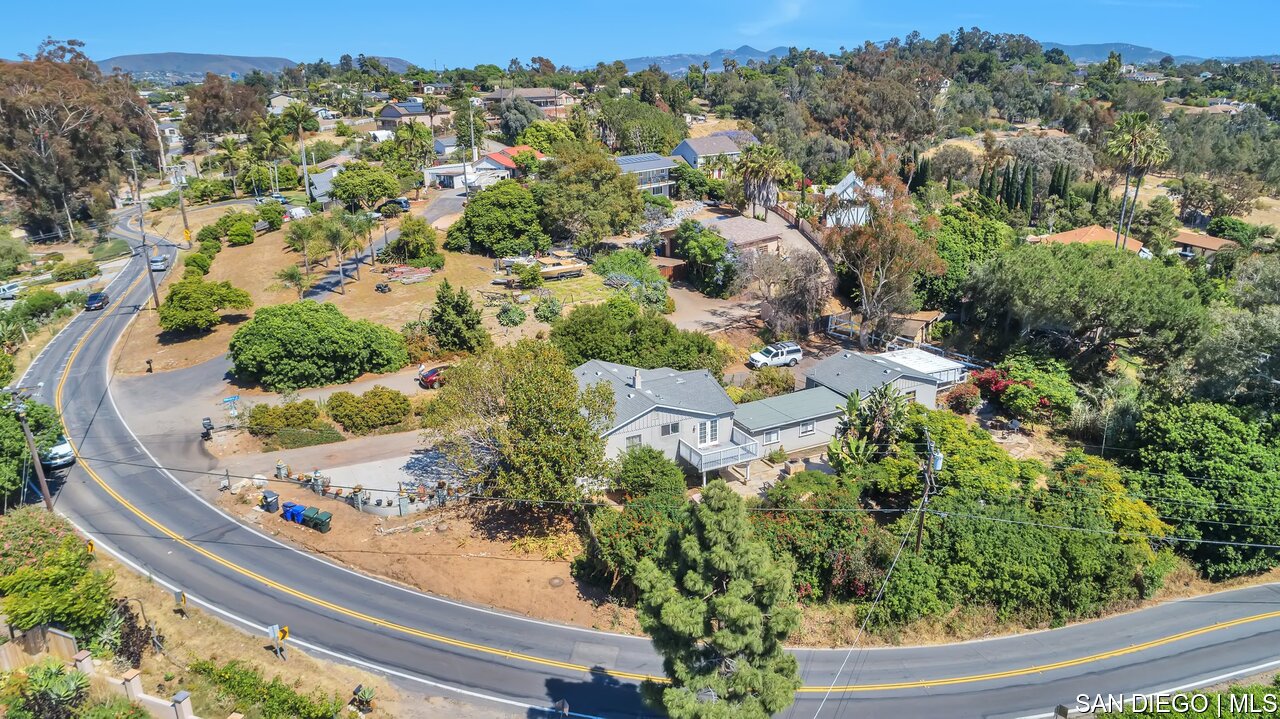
719 610
1028 193
455 322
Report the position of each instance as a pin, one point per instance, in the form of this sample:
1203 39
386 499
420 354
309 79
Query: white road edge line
120 556
1205 682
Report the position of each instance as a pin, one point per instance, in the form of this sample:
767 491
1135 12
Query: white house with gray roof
795 421
685 415
700 151
846 372
845 205
652 172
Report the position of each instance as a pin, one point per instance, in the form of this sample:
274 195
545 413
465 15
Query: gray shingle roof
644 162
710 145
694 391
848 371
787 409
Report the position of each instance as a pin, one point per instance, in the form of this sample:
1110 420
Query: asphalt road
120 496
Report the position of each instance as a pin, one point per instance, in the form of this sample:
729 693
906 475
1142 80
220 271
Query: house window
633 441
708 433
909 395
806 429
670 429
771 437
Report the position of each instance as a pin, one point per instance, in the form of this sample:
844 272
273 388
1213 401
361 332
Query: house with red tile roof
503 161
1091 235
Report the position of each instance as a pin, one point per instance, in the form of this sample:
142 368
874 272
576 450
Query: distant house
322 186
847 372
652 171
552 102
432 88
845 204
277 102
746 233
503 161
170 132
1090 235
1194 244
796 421
380 135
1146 78
445 146
685 415
699 152
394 114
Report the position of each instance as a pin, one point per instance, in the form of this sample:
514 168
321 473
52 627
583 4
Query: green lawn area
112 248
587 288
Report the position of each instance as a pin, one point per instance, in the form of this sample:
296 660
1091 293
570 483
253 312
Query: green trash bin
322 522
309 517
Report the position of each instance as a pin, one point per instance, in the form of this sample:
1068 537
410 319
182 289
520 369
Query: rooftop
711 145
1090 234
644 162
694 391
786 409
922 361
848 371
1203 242
742 231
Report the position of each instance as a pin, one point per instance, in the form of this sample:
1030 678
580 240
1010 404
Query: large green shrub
645 471
272 699
194 305
77 270
309 344
376 408
60 588
199 261
240 234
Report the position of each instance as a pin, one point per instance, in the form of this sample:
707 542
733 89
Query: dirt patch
1267 213
485 559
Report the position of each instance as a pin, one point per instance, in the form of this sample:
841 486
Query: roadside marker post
180 603
88 546
279 634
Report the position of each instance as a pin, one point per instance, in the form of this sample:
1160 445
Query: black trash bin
270 501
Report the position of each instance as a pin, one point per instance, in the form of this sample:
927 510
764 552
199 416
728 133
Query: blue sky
579 32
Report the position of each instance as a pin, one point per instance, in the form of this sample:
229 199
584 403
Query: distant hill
679 64
394 64
1138 54
187 63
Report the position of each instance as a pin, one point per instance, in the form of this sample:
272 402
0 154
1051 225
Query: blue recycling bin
287 509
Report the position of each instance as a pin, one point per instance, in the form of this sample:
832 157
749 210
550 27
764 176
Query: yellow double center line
541 661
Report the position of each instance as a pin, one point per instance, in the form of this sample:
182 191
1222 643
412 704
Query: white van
10 291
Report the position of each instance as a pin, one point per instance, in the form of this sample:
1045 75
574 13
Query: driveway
695 311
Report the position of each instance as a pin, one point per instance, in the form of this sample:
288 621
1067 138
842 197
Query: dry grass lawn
713 124
1268 212
253 268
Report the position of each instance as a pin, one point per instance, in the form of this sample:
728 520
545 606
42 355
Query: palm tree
294 279
763 168
294 119
417 143
1136 141
338 237
302 237
230 159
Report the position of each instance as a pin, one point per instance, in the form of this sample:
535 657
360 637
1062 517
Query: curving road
119 495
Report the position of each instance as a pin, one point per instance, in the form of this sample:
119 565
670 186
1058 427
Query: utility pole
35 459
15 403
180 179
142 228
934 464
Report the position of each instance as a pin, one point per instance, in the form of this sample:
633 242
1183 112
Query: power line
906 536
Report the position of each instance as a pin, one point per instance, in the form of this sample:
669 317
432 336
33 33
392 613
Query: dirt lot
482 559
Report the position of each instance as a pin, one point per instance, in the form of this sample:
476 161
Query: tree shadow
601 695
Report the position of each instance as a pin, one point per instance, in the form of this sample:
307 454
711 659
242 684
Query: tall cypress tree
982 183
1097 195
719 610
1028 194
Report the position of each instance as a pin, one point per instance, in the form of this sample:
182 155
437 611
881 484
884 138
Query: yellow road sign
283 634
88 545
186 235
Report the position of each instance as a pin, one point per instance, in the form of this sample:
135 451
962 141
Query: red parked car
431 378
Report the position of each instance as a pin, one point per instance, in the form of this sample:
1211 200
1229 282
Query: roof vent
630 395
680 380
847 355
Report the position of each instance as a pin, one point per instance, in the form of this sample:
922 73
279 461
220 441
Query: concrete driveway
695 311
